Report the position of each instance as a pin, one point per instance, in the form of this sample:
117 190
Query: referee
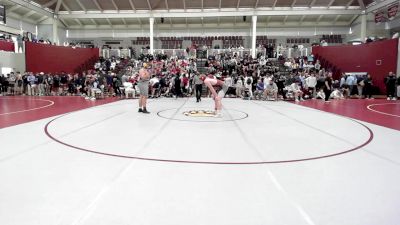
198 86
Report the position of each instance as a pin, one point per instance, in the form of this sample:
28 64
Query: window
6 70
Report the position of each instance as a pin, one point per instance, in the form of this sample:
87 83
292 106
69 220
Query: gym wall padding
55 59
363 58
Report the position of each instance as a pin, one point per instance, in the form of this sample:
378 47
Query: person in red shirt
185 84
210 81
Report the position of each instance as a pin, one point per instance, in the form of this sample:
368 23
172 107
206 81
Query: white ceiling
77 13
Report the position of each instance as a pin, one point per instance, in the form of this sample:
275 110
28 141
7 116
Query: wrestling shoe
145 111
218 115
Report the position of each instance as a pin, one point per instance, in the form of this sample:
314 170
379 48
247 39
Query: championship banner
379 17
392 11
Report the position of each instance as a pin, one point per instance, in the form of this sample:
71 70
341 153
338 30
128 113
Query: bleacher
335 39
201 41
142 41
227 41
298 40
264 40
171 42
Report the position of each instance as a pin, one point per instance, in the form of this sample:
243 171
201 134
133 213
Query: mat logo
199 113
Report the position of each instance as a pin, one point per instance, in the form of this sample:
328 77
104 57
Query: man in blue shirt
259 89
350 81
31 84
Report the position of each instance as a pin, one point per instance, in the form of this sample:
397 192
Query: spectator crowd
247 78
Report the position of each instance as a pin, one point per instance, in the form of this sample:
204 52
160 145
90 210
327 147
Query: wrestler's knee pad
221 94
225 88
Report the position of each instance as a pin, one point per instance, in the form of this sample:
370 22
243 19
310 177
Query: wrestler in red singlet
210 81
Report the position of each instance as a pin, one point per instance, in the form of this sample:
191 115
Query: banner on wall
380 17
392 11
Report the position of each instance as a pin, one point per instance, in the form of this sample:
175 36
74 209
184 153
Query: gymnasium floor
67 161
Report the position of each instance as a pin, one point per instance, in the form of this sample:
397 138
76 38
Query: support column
363 28
151 35
253 36
55 31
398 59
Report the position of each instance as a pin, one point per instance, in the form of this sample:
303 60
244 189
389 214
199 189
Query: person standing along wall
390 82
40 78
360 86
31 84
350 80
398 87
328 86
368 87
